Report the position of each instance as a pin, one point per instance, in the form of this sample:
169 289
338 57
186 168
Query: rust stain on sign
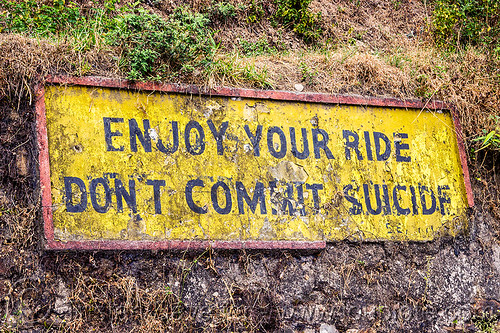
160 167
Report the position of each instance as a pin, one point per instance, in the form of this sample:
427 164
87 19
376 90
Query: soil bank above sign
126 165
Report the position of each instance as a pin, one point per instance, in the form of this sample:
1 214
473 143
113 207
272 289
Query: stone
4 199
299 87
22 163
325 328
5 288
496 257
62 304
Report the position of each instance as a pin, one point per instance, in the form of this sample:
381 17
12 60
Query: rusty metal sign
144 166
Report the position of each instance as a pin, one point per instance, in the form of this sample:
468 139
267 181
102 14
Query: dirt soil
447 285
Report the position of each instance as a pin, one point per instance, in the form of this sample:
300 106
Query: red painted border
52 244
43 162
182 245
463 157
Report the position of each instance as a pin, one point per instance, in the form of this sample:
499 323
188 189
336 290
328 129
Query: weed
462 22
31 17
308 74
359 35
222 11
296 14
260 47
396 4
357 3
60 21
490 139
91 32
251 73
423 89
485 322
255 11
151 44
399 59
232 70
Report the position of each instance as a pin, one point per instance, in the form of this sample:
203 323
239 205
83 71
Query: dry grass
26 60
105 303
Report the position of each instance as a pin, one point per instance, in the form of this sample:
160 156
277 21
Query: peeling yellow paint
314 191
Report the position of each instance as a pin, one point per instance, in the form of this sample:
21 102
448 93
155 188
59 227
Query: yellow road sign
156 166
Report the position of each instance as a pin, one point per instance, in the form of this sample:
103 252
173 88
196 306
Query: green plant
231 69
94 26
222 11
396 4
260 47
296 14
465 22
398 59
61 21
31 17
490 139
152 45
255 11
423 89
308 74
485 322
